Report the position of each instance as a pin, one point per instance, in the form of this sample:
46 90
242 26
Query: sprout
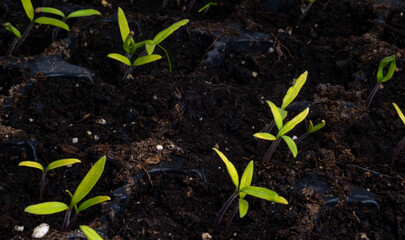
242 188
380 76
401 144
81 192
51 166
207 7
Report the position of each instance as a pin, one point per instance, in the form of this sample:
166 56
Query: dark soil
158 128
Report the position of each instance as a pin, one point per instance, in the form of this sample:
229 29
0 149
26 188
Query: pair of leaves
380 75
79 13
401 115
52 165
138 62
12 29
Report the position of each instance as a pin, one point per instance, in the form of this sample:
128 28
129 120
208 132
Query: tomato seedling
242 188
401 144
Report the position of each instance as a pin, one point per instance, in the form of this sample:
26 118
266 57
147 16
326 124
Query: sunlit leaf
294 90
231 168
165 33
31 164
90 233
29 10
83 13
246 178
12 29
88 181
265 194
391 70
276 114
291 144
46 208
52 11
265 136
146 59
120 58
293 122
61 163
401 115
123 24
52 21
243 207
93 201
283 113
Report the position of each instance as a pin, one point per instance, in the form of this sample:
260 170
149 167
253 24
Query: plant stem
72 221
167 55
42 186
226 206
305 11
12 46
372 94
127 73
400 145
22 39
271 150
190 6
234 212
55 34
66 220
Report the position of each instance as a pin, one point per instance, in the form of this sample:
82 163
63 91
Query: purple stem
55 34
271 150
66 220
21 40
397 150
42 186
190 6
372 94
72 221
225 207
234 212
305 11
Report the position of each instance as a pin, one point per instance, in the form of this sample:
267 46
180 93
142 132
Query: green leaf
51 11
123 24
246 179
120 58
165 33
146 59
31 164
93 201
46 208
52 21
401 115
312 129
90 233
61 163
276 114
265 194
264 136
83 13
294 90
231 168
29 10
283 113
293 122
207 6
391 70
243 207
12 29
88 181
140 44
291 144
150 47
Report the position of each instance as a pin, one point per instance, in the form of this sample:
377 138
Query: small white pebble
201 119
19 228
101 121
243 62
6 136
132 123
30 119
254 74
401 14
271 50
294 138
219 167
253 127
89 133
96 137
316 25
70 125
155 97
159 147
75 140
40 231
77 85
227 149
206 236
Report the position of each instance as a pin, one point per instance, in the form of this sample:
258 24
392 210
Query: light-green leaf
29 10
146 59
53 22
46 208
207 6
61 163
276 114
31 164
230 167
291 144
401 115
90 233
283 113
165 33
246 179
265 194
312 129
391 70
243 207
123 24
83 13
88 181
294 90
93 201
51 11
120 58
293 122
265 136
12 29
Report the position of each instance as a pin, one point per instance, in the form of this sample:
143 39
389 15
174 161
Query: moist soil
158 128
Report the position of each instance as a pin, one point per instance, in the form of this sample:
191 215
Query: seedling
282 130
51 166
304 13
138 62
207 7
311 129
29 10
128 43
81 192
14 31
401 144
90 233
380 76
242 188
76 14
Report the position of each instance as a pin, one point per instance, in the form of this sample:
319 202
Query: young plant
90 233
137 62
282 130
242 188
16 33
401 144
29 10
207 7
76 14
380 76
128 43
304 13
51 166
81 192
311 129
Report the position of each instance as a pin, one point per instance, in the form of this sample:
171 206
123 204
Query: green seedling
90 233
304 13
380 76
137 62
76 14
282 130
207 7
128 42
51 166
311 129
29 10
401 144
243 187
81 192
14 31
